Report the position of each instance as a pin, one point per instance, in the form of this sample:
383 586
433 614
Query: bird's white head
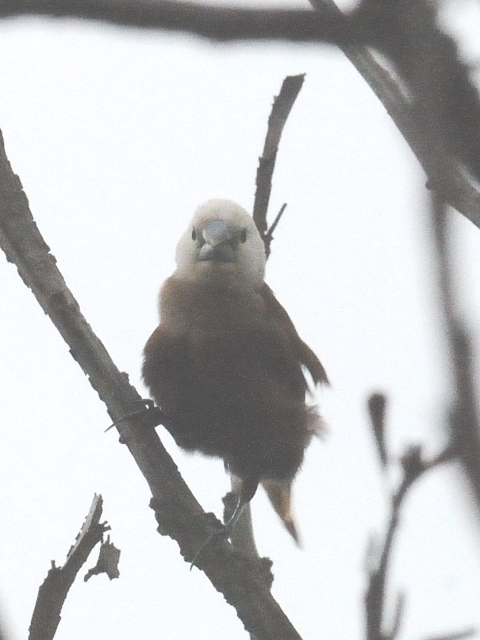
221 242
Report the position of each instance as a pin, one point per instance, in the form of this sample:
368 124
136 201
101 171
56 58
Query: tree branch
54 590
400 31
244 581
456 635
413 468
433 84
282 105
107 562
459 191
377 404
214 22
327 24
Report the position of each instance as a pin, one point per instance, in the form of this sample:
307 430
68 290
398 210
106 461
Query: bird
226 365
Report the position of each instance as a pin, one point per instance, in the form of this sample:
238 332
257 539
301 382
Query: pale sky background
117 136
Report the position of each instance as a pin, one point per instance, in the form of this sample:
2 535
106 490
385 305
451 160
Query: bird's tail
280 495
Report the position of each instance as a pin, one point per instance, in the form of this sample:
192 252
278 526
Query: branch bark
458 191
214 22
53 592
413 468
244 581
431 81
282 105
352 32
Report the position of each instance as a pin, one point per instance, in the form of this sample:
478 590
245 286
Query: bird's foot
149 415
222 534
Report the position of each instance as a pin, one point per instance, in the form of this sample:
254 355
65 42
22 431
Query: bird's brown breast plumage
224 366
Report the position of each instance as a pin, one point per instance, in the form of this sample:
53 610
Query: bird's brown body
225 367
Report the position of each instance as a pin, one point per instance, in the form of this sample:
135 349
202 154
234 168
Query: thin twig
377 403
107 562
282 105
269 234
54 590
413 467
243 536
244 582
456 635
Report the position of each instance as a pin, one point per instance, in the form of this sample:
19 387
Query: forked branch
414 466
53 592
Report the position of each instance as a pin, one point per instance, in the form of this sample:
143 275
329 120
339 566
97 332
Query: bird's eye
243 236
194 234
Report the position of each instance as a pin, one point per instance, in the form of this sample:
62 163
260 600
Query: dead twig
377 404
107 562
282 105
456 635
53 592
243 536
413 466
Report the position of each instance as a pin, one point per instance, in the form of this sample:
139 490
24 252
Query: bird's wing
166 372
302 351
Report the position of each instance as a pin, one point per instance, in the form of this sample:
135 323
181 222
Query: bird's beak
220 240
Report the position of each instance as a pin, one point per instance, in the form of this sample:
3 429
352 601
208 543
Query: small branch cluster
54 590
413 466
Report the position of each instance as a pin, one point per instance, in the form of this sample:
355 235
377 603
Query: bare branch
54 590
458 191
401 31
282 105
245 581
457 635
215 22
398 616
243 536
107 562
327 24
433 84
377 403
414 466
